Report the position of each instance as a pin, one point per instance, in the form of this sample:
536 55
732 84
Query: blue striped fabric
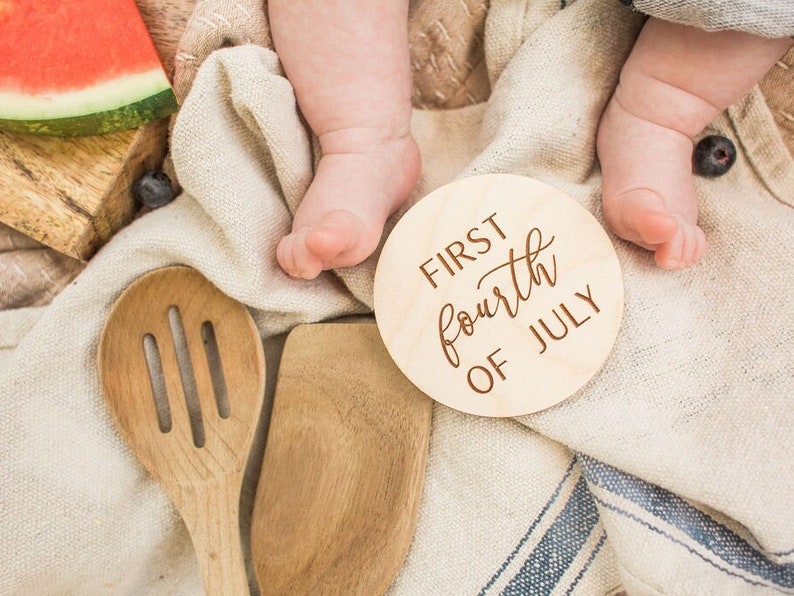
540 570
568 529
729 552
558 548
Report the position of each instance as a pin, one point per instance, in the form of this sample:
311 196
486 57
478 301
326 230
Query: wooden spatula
343 470
182 367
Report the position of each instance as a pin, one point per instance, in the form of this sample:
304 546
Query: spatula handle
212 517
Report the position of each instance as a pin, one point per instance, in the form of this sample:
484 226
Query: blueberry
153 189
713 156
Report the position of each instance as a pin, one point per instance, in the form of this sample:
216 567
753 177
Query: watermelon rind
120 104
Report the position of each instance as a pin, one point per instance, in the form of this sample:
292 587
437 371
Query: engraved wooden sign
498 295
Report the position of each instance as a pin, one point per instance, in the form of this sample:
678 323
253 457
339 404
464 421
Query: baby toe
295 258
684 250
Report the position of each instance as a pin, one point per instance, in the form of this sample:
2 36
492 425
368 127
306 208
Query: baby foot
361 179
649 197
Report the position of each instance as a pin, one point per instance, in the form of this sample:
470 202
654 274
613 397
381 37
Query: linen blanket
670 472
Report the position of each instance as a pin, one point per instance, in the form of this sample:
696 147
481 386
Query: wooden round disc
498 295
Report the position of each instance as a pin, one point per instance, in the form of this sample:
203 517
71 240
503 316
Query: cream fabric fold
685 433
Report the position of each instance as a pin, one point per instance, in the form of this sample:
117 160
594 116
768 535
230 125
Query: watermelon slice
78 67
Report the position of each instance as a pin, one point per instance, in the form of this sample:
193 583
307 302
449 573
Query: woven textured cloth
449 69
770 19
668 473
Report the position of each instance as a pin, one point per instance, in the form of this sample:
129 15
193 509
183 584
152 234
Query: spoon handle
212 517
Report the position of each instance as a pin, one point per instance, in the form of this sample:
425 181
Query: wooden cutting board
73 194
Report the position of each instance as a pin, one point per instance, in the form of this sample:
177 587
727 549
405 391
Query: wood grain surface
343 470
189 407
498 295
73 194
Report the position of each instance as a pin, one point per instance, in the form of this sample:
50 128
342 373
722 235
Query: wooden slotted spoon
183 372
